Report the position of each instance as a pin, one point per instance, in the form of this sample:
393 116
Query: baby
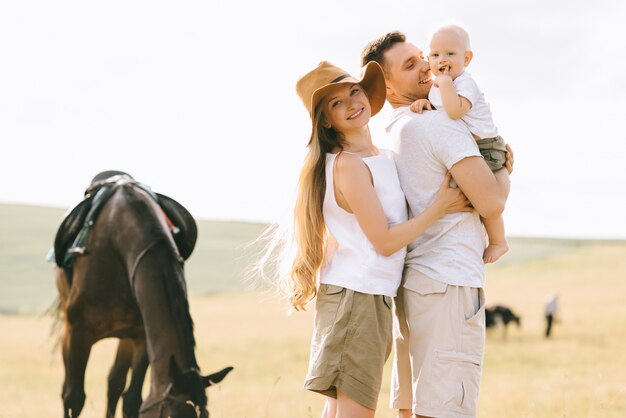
456 91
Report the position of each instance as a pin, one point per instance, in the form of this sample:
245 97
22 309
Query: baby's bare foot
494 251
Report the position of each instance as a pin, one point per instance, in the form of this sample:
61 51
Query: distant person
551 309
351 232
439 326
455 91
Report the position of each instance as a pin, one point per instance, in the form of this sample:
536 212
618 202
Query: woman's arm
353 184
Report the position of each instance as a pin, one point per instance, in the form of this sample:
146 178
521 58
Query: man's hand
508 164
421 104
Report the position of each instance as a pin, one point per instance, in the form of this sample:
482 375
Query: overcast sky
197 99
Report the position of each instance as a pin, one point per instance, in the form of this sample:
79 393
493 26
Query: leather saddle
72 234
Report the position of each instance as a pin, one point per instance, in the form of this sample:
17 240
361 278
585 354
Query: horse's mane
179 307
174 284
178 304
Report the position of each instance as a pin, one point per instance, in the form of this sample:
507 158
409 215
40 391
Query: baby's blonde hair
457 30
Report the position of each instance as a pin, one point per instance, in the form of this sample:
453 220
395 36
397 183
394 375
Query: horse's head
185 396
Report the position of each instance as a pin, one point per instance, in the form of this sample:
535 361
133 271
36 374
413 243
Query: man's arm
485 190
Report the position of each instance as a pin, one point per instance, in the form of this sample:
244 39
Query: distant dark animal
500 314
119 273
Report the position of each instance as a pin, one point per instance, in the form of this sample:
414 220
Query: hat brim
372 81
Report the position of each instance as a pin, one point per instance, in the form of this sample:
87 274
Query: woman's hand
450 199
508 164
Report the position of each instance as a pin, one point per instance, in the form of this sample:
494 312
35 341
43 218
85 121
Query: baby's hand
443 78
421 104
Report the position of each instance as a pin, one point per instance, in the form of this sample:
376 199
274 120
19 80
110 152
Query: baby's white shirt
478 119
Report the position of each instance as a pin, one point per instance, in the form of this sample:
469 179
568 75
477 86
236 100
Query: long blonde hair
296 253
309 229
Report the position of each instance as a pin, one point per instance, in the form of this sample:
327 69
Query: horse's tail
55 310
58 318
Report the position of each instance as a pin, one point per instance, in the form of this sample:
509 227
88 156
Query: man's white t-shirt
478 118
426 146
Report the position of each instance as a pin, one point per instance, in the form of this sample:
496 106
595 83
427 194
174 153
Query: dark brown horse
119 274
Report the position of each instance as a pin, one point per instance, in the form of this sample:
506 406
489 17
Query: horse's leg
117 375
132 397
76 349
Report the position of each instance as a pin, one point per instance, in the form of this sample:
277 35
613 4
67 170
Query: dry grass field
580 372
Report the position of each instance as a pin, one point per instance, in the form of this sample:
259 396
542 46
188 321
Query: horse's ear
176 375
216 377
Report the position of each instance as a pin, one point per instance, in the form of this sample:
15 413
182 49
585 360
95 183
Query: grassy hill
27 234
220 256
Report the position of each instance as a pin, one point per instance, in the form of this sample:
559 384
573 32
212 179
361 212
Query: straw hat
312 86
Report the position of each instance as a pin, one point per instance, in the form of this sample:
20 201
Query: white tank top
354 263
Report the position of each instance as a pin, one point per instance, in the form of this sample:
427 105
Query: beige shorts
351 341
445 345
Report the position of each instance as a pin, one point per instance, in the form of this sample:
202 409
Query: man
439 329
551 308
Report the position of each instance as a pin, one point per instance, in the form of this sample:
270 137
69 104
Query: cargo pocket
424 285
459 379
327 308
497 156
493 157
327 305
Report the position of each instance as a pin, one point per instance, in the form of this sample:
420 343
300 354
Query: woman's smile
356 114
